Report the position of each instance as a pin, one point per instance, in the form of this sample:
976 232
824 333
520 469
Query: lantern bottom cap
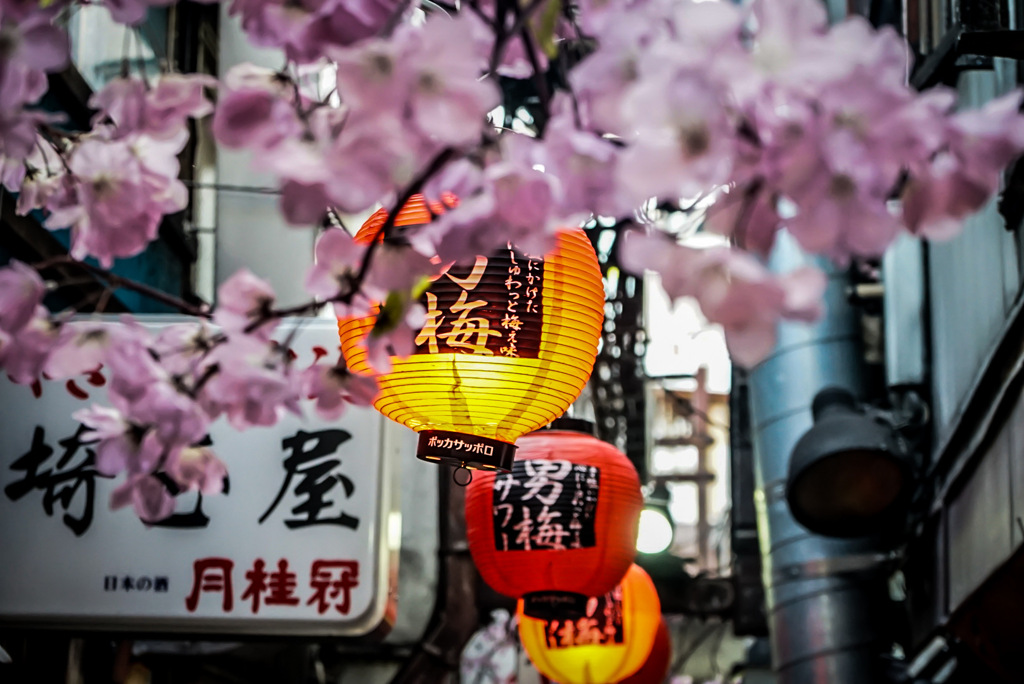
555 605
465 450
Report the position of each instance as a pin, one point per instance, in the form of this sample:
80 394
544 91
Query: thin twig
501 36
101 306
116 281
442 158
539 79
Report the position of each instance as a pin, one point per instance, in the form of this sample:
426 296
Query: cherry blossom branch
501 36
539 78
746 211
355 281
436 164
116 281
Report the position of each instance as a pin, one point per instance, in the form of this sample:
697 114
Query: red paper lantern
655 668
564 520
610 642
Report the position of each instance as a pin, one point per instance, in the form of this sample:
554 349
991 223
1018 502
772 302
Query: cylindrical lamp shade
608 644
508 345
655 668
564 520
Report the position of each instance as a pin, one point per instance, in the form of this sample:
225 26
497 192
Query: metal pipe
825 622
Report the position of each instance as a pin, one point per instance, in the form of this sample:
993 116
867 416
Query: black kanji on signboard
545 505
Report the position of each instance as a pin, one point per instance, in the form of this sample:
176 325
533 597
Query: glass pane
99 45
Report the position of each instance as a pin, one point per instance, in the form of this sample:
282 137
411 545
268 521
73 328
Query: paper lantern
509 343
609 643
655 668
563 521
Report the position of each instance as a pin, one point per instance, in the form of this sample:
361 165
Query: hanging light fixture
850 474
562 525
509 343
610 642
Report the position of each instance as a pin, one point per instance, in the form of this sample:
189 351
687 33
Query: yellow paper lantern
508 345
609 643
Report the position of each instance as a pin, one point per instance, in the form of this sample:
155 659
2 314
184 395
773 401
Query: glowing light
656 532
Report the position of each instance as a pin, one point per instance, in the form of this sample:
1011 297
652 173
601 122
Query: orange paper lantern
564 520
509 343
609 643
655 668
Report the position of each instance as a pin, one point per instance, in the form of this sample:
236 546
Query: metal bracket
961 50
830 567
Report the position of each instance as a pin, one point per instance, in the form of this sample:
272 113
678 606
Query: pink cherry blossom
183 348
517 203
740 294
374 72
115 207
307 29
304 204
81 347
37 188
18 130
937 198
747 215
254 383
334 387
147 495
244 300
159 111
176 418
338 259
32 45
732 288
586 166
349 161
602 81
255 109
120 445
133 370
684 144
197 469
660 253
448 99
21 293
397 267
27 351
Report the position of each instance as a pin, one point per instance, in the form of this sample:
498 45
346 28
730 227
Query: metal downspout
436 659
824 616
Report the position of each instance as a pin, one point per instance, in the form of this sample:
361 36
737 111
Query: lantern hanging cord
462 480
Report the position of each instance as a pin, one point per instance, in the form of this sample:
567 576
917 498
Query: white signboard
303 542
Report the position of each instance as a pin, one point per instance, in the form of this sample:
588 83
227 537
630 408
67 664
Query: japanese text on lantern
329 587
601 625
466 446
492 308
545 505
529 274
